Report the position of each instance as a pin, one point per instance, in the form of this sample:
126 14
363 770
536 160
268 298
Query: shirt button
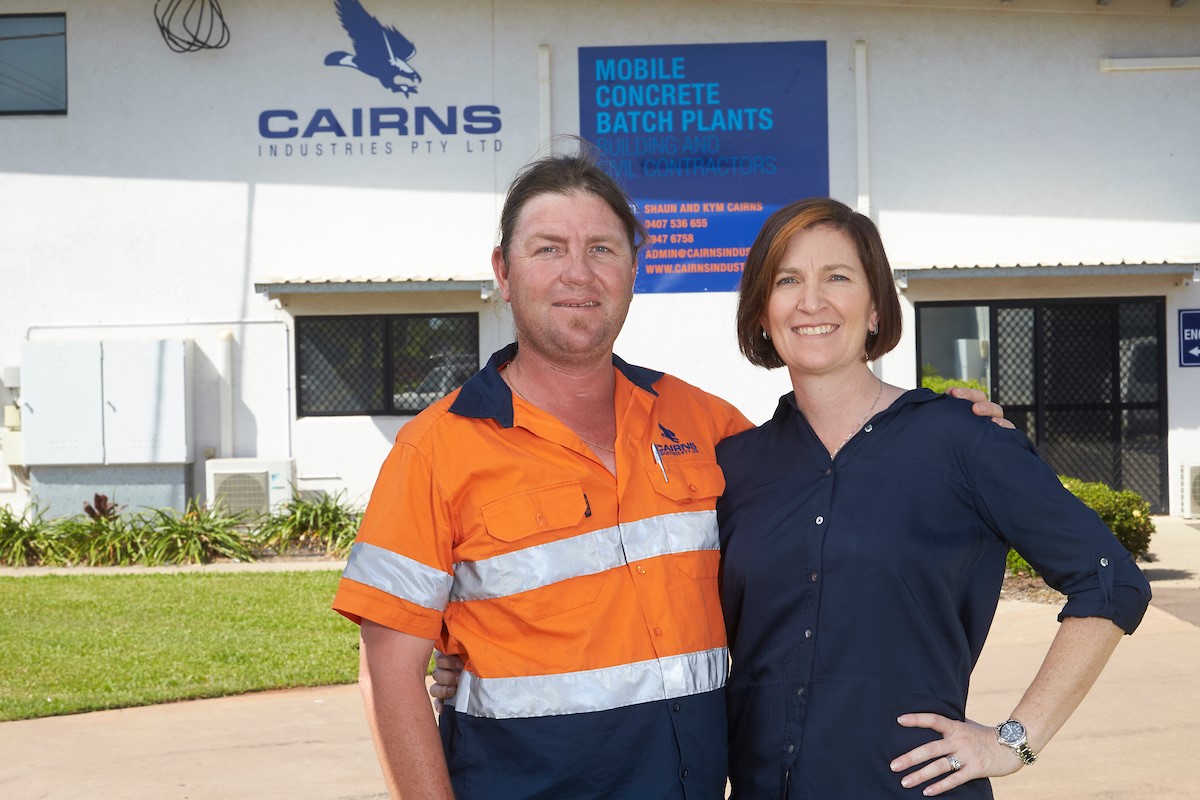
641 570
828 471
791 748
800 691
808 633
658 631
684 773
820 520
692 488
869 428
675 707
813 577
1104 562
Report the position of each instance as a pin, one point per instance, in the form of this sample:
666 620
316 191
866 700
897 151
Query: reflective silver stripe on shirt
585 554
399 576
592 690
683 532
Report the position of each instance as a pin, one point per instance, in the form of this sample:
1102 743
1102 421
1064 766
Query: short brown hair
758 278
565 174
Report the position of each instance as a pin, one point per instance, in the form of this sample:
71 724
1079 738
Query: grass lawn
86 642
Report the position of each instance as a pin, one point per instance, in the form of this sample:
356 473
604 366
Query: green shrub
1126 513
103 536
198 536
98 542
324 524
931 380
1017 565
98 537
25 539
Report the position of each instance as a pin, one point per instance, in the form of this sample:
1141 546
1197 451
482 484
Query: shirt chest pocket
537 511
692 486
687 481
549 567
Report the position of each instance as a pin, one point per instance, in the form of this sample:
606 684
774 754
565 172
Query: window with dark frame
33 64
382 364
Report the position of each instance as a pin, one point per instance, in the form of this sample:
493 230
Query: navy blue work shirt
860 588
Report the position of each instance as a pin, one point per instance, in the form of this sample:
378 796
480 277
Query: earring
766 335
874 331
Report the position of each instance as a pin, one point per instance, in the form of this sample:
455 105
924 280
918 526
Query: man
552 521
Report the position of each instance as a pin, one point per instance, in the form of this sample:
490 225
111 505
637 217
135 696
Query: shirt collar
787 403
485 395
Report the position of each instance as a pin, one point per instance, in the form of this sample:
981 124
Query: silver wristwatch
1012 734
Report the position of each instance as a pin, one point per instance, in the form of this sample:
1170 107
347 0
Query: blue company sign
709 140
1189 338
385 55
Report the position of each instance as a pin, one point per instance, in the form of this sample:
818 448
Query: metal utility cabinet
110 416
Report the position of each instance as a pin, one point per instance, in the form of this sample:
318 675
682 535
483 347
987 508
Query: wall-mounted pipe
862 128
225 448
545 129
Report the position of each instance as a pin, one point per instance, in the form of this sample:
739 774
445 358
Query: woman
864 531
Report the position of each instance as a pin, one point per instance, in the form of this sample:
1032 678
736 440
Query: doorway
1084 378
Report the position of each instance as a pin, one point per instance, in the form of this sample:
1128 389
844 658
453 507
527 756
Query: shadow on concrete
1183 604
1153 574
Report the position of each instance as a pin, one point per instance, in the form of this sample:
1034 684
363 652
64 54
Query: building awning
956 272
276 287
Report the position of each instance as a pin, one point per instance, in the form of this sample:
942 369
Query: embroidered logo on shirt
676 448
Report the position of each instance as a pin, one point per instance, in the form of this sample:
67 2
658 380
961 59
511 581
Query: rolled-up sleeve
1022 499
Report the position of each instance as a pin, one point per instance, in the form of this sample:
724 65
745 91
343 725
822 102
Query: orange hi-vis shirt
496 531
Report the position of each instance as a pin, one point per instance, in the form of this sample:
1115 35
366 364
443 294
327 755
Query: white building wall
1183 399
149 209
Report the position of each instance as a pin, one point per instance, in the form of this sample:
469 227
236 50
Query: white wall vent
253 485
1191 491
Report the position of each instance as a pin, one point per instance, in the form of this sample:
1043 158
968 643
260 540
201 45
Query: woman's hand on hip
966 751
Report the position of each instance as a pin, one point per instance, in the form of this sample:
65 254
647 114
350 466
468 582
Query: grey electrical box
147 402
110 402
61 411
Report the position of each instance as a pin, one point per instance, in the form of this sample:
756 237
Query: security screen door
1085 379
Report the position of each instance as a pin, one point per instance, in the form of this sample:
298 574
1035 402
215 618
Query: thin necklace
513 385
856 428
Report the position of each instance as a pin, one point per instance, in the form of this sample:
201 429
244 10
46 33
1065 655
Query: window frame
42 112
386 375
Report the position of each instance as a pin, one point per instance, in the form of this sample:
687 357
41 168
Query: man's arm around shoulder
392 668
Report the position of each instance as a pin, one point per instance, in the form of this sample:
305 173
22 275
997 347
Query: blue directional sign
1189 337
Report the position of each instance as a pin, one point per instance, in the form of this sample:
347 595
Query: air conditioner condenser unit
1191 491
253 485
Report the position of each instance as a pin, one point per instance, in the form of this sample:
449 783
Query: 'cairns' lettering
283 123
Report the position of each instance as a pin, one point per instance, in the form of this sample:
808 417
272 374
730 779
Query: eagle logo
379 51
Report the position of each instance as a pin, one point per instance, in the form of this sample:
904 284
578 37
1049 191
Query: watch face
1012 732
